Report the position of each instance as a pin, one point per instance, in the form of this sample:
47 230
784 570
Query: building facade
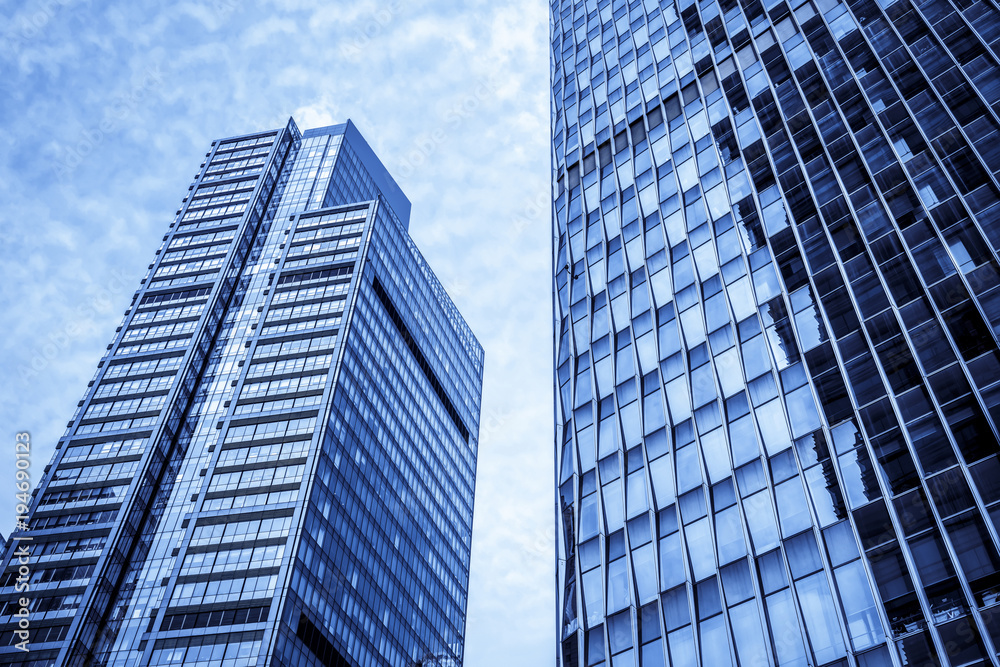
275 461
777 300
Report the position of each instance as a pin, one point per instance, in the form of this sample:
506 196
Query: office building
777 301
275 461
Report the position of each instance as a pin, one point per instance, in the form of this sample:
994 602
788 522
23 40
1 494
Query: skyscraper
275 461
777 300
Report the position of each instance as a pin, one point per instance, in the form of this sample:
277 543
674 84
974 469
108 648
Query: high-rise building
275 462
777 300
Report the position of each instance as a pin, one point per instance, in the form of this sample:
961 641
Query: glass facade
777 301
275 461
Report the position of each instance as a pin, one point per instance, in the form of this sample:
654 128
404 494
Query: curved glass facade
777 300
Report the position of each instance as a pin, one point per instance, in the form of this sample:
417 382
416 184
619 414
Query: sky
108 109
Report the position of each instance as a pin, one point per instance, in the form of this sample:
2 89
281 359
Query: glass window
841 545
593 596
595 646
626 659
874 525
894 461
588 517
676 611
962 641
784 626
863 622
783 466
662 474
793 510
715 651
933 449
773 428
760 518
614 512
825 492
681 643
652 654
750 478
890 572
637 500
645 572
950 492
700 550
860 481
693 506
919 650
803 556
987 477
716 453
736 582
729 535
802 411
672 570
931 345
744 440
618 585
751 647
688 468
649 622
973 545
820 615
707 598
620 632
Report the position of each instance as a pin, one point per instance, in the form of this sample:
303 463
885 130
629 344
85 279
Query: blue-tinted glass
286 301
825 209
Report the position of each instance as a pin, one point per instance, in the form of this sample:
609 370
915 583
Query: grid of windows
777 305
195 478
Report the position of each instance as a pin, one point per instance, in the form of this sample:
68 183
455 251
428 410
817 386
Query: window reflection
819 613
793 511
863 622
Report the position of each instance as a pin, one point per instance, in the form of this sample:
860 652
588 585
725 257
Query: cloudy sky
108 110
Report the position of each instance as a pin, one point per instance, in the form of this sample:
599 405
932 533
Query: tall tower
275 461
777 300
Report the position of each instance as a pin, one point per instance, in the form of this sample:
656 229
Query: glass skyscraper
777 300
275 462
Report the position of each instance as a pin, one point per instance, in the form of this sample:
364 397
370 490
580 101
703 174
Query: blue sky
108 110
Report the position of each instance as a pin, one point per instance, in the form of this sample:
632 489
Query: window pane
863 622
784 626
860 481
652 654
973 545
729 535
793 510
820 615
618 585
593 596
751 647
715 650
671 561
699 539
645 572
760 517
681 644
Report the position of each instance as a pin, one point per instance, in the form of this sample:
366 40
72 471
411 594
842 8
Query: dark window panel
971 430
930 444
